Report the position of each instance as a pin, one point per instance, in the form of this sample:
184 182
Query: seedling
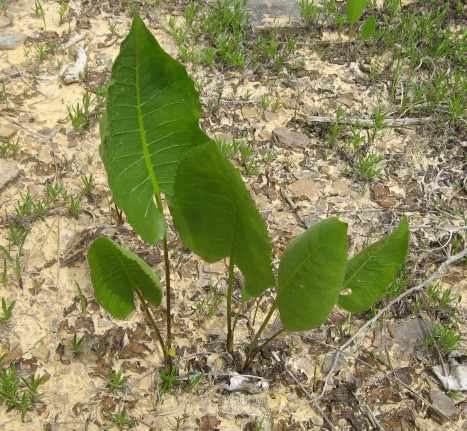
82 300
121 420
445 338
116 382
39 11
62 11
75 208
7 311
87 185
76 344
212 211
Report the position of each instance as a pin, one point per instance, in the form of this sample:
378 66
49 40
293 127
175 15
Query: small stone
287 138
443 406
11 40
304 189
8 172
340 188
249 112
41 352
44 156
7 133
270 116
47 132
329 361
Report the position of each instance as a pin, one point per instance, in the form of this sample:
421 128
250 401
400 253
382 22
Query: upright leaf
216 216
115 272
370 271
355 10
152 119
311 273
368 27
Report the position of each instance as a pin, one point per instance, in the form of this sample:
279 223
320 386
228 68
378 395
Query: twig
73 41
370 122
327 420
370 322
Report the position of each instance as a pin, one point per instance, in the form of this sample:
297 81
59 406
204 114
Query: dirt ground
384 380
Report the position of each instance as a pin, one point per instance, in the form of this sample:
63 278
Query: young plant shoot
152 146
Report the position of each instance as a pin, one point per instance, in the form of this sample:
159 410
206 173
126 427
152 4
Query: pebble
41 352
340 188
249 112
7 133
287 138
11 40
9 171
304 189
443 406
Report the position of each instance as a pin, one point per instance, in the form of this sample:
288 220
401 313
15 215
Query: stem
151 321
168 294
250 355
261 347
168 357
230 329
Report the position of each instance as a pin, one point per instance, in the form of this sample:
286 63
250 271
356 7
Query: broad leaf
370 271
311 273
152 119
115 271
216 216
368 27
355 10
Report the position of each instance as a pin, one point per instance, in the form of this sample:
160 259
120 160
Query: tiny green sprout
445 338
39 11
112 26
62 11
87 185
116 382
121 420
82 300
76 344
259 425
170 380
75 208
7 311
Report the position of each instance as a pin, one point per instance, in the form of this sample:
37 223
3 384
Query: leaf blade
114 272
368 27
371 270
151 121
355 10
216 216
312 266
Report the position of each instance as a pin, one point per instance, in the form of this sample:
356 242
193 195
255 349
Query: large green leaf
152 119
115 272
368 27
370 271
311 273
216 216
355 10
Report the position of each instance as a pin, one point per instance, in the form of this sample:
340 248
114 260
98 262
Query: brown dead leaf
134 350
382 195
208 423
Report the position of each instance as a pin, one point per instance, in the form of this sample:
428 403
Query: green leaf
152 119
355 10
311 273
115 271
370 271
216 216
368 27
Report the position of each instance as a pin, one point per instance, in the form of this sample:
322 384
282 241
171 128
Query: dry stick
370 122
328 421
370 322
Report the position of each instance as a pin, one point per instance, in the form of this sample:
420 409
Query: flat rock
7 132
9 171
11 40
287 138
304 189
443 406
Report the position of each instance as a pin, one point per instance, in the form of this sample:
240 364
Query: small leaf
216 216
311 273
152 119
368 27
355 10
115 271
370 271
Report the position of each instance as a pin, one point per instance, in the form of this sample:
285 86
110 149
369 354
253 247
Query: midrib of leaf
142 134
358 270
296 271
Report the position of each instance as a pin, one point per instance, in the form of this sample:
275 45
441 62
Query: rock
8 172
41 352
11 40
47 132
249 112
7 132
44 156
304 189
443 407
329 360
340 188
287 138
382 195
